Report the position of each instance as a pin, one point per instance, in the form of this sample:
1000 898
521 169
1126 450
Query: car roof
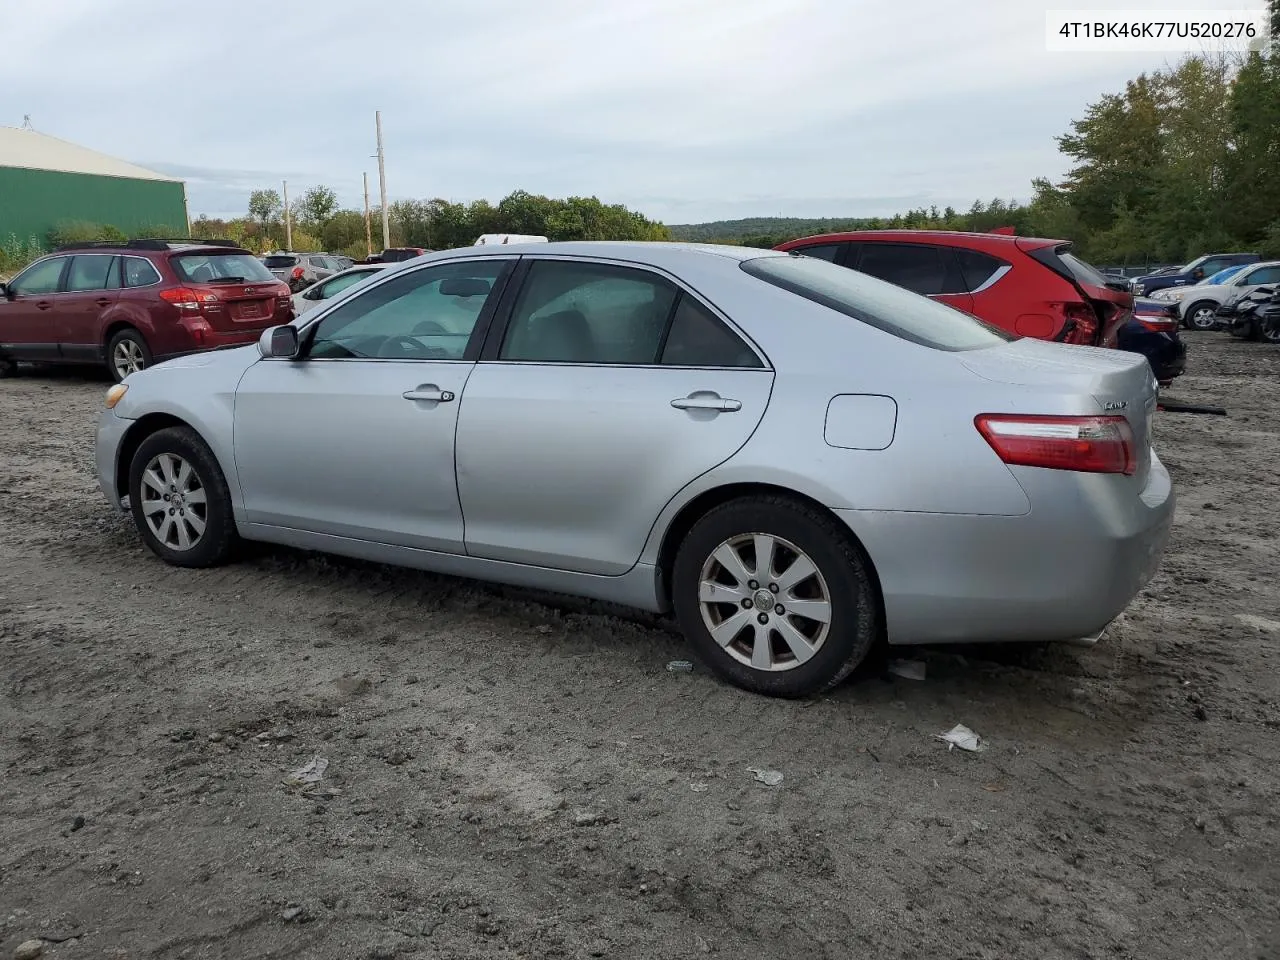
946 237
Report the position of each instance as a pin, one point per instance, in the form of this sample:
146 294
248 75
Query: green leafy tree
316 207
265 207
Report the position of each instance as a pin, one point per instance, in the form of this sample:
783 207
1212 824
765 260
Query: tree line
318 223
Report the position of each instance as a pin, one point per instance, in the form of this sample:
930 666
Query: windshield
1222 276
876 303
276 263
220 267
1083 272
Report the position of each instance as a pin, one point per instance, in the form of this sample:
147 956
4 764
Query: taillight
1081 324
297 273
1084 444
184 298
1158 324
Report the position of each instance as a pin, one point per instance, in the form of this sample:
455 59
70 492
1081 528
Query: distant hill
760 228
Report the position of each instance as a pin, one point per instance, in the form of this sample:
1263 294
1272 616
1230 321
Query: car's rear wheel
1271 332
774 596
1202 315
180 501
127 352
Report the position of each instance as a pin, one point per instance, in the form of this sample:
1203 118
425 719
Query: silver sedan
799 460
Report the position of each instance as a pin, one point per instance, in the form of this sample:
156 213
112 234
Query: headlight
115 395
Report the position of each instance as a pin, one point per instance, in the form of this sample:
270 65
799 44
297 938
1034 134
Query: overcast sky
687 110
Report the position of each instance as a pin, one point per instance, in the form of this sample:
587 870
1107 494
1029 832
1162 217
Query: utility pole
368 233
288 224
382 184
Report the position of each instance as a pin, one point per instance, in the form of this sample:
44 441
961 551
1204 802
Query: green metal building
47 183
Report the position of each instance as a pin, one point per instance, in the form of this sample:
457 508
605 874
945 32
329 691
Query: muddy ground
510 778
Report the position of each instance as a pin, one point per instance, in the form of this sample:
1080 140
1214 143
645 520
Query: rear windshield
275 263
1083 272
879 304
220 268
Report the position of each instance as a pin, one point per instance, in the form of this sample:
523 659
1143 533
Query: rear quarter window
876 303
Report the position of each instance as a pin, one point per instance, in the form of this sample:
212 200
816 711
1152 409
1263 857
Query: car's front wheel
774 596
180 501
1202 315
127 352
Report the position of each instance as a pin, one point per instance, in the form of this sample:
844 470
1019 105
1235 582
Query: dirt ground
512 778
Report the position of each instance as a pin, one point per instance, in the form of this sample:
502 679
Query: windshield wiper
226 280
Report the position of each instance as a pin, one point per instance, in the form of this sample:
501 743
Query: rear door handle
103 302
43 304
430 392
706 400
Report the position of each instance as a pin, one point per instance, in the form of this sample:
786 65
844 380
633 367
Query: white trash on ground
962 737
680 666
908 669
770 778
309 773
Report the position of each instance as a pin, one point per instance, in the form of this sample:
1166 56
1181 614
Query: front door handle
43 304
430 392
706 400
103 302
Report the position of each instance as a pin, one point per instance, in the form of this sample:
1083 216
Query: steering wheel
428 328
400 345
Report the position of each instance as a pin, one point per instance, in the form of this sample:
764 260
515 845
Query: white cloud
687 110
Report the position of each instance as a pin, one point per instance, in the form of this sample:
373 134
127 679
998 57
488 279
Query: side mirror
313 293
4 291
279 343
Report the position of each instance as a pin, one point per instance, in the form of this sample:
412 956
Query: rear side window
977 269
876 303
139 272
89 272
698 339
823 251
920 268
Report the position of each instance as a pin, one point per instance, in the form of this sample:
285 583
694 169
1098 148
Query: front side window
920 268
1263 275
89 272
823 251
335 286
570 312
876 303
427 314
39 279
139 272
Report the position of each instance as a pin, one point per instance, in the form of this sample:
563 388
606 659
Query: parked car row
1198 304
1196 271
1254 315
750 439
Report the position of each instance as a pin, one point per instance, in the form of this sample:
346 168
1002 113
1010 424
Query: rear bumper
1058 574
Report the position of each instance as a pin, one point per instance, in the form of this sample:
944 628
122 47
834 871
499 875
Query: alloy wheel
174 502
764 601
1205 318
127 357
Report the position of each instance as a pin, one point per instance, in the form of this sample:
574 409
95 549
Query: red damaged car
1030 287
137 302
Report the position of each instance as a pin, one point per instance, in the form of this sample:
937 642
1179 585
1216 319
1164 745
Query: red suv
1033 288
134 303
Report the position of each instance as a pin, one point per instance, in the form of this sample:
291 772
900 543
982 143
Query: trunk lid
1120 383
229 307
1110 301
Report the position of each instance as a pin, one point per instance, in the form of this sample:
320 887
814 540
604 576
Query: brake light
1083 444
1081 324
1159 324
297 273
184 298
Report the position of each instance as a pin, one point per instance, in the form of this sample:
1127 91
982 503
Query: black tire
8 368
218 539
1209 323
1271 332
854 624
126 338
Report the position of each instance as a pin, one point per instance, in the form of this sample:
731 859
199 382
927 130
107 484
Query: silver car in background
798 459
318 293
